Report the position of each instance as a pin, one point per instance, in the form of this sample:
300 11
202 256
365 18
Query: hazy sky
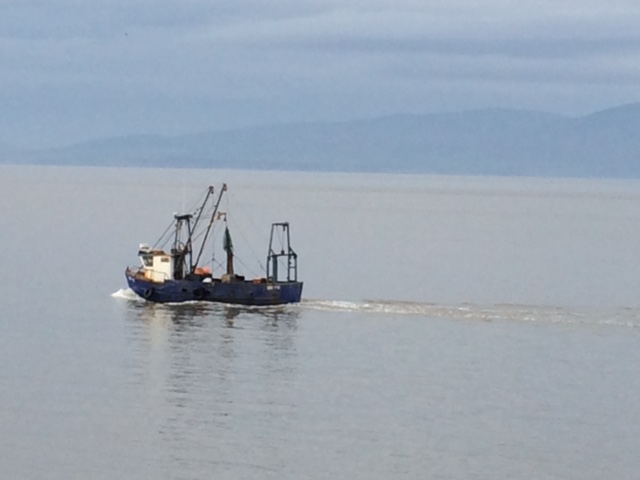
79 69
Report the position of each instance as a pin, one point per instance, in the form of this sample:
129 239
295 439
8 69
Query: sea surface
451 328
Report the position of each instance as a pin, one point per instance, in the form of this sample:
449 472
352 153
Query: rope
245 266
162 242
158 242
201 228
244 238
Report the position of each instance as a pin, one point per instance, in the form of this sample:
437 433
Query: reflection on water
211 330
195 314
197 365
287 315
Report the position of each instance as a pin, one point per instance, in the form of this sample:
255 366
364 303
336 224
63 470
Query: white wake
126 294
619 316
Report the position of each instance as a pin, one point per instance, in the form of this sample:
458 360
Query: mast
192 265
213 219
281 230
180 250
183 252
204 203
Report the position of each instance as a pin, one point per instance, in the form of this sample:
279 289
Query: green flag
228 244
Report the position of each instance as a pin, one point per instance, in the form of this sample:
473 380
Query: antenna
184 194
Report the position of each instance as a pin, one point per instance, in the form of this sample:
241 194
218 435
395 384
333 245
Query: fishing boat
177 275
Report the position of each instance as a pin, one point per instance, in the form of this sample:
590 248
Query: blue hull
239 292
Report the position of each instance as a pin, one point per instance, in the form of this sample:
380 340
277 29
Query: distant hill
486 142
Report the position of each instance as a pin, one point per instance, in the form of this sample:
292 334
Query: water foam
624 316
127 294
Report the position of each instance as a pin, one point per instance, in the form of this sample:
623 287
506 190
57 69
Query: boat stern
290 292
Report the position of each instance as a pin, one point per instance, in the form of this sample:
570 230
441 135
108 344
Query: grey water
452 327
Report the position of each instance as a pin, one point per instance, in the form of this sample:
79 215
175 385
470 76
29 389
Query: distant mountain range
484 142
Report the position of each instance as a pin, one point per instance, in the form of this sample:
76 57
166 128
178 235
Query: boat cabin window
147 260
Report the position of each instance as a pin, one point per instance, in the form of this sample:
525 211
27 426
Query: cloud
74 69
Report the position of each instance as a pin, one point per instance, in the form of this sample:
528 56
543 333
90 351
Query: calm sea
452 328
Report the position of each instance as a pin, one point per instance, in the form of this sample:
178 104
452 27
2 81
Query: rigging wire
162 241
244 238
235 256
200 230
247 268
